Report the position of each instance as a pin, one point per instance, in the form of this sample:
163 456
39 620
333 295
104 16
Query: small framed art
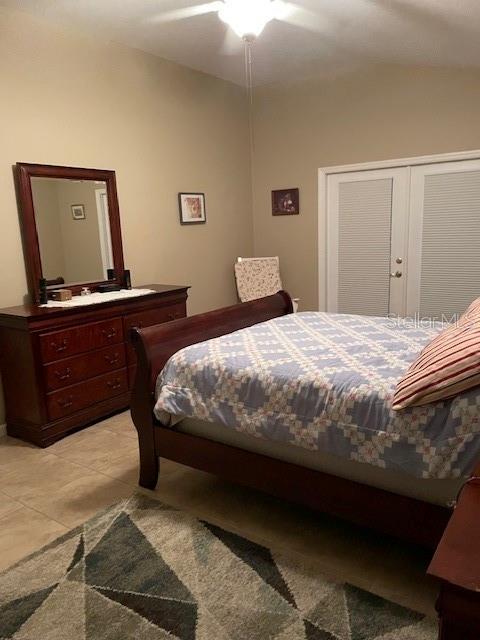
78 212
192 208
285 202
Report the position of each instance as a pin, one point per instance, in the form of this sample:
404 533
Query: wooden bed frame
454 534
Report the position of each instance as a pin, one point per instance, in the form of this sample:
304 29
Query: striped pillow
471 314
448 365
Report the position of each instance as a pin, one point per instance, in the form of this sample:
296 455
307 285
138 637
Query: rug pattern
143 570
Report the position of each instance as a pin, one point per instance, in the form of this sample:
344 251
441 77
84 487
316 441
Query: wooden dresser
65 368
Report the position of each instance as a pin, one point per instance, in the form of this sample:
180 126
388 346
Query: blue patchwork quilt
324 382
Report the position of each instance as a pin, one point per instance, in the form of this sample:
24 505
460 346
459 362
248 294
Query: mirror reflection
73 229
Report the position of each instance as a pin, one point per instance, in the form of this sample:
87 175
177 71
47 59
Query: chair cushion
447 366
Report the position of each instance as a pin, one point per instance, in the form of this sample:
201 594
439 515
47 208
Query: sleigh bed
230 392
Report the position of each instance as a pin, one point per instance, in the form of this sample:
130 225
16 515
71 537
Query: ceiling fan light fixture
247 17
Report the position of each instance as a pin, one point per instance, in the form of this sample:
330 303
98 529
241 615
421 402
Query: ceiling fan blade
298 16
232 44
186 12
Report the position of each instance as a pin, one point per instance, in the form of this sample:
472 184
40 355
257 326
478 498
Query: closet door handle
396 274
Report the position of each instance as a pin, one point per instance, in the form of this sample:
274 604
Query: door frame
322 217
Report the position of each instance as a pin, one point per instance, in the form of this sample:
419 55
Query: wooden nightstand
456 564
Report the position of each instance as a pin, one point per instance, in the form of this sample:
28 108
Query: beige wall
71 100
49 230
81 238
380 113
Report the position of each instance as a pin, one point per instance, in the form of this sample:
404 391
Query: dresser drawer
61 344
78 396
72 370
153 316
147 319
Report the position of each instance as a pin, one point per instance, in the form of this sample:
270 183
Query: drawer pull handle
65 402
112 359
174 316
109 334
59 347
116 384
64 376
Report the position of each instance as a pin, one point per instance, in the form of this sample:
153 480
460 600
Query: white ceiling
336 34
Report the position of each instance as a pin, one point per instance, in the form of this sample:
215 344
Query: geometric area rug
145 571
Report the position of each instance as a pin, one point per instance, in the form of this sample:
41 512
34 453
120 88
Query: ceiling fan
246 18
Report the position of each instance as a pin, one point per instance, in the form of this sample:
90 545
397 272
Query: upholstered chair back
257 277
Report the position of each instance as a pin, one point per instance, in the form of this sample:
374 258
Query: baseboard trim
3 430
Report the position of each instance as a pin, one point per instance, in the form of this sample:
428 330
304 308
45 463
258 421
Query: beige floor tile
121 423
40 477
418 592
62 490
23 532
7 505
78 500
13 451
126 468
167 467
400 574
184 488
93 449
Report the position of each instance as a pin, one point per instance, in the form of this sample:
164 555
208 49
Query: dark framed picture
192 208
286 202
78 212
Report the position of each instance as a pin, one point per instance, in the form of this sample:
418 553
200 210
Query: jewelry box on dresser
64 367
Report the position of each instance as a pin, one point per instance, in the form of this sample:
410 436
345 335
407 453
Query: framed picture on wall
286 202
192 208
78 211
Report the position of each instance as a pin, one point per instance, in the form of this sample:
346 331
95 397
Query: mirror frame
24 173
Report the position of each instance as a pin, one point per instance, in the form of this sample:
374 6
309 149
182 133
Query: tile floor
45 492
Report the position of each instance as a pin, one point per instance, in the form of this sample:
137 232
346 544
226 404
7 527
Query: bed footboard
155 345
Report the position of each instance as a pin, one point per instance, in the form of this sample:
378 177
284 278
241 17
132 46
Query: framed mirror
71 227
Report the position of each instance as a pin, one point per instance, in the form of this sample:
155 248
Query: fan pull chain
249 85
249 69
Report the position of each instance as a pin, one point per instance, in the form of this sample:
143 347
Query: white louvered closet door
444 244
366 242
